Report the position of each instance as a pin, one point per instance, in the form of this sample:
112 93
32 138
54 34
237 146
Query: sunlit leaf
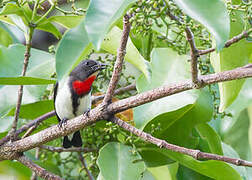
237 55
111 44
73 48
66 21
100 17
212 14
120 161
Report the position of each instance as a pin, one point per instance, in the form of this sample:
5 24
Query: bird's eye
87 63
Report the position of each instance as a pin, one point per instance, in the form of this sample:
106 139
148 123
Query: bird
72 96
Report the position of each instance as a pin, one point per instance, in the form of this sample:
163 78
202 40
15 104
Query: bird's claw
86 113
62 123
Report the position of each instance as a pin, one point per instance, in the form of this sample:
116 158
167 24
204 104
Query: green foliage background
215 119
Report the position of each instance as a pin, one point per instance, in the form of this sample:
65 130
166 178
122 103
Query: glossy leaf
5 124
212 14
100 17
5 38
213 139
44 25
24 81
230 152
11 8
167 67
117 161
34 110
239 54
7 28
111 44
164 172
73 48
66 21
12 59
20 16
211 168
235 129
185 173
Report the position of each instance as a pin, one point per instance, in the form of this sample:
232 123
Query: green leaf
167 67
239 54
11 8
214 142
11 59
164 172
212 14
100 17
5 38
5 124
211 168
41 65
111 44
73 48
185 173
66 21
24 81
20 17
230 152
235 128
118 161
146 176
237 136
7 28
44 25
34 110
14 170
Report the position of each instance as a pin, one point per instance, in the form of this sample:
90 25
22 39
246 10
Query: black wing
54 98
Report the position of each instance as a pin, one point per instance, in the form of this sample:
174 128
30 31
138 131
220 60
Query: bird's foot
86 113
62 122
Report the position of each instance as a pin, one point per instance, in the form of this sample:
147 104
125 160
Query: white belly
63 102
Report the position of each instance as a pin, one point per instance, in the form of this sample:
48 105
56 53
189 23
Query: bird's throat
83 87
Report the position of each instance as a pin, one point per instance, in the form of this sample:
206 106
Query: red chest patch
83 87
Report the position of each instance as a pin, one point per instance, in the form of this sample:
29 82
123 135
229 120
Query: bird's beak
103 66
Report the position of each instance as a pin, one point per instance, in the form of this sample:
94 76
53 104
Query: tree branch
9 150
194 57
83 162
235 39
167 90
191 152
37 169
119 61
117 91
34 176
72 149
20 90
35 122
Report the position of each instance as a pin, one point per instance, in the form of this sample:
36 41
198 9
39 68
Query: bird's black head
87 68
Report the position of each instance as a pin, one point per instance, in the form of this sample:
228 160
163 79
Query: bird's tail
76 140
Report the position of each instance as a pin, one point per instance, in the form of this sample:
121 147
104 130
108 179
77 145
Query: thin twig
197 154
117 91
194 56
72 149
20 90
37 169
84 163
235 39
34 176
98 113
119 61
35 122
167 90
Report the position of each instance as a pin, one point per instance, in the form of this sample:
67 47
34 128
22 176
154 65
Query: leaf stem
46 14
